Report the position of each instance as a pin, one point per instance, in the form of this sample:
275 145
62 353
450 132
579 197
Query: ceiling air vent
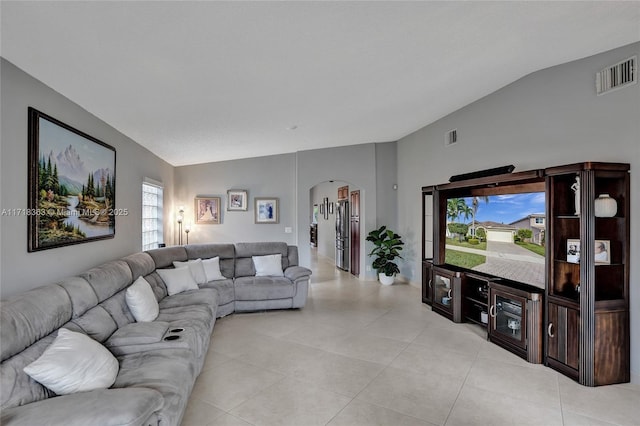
451 137
617 76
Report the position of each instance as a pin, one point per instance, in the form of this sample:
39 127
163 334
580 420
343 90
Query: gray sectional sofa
158 361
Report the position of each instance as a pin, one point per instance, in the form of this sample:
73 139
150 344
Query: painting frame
325 202
602 252
237 200
573 250
207 210
267 210
55 216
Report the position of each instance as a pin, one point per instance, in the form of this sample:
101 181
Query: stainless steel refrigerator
342 235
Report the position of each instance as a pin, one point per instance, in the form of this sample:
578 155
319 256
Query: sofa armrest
105 407
296 272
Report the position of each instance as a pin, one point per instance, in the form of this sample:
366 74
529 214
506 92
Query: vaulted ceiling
205 81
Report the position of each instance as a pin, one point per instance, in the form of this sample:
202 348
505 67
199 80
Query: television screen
500 235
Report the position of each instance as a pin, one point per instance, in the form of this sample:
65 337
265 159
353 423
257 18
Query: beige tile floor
362 354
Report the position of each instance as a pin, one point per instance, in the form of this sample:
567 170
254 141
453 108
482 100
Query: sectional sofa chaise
87 337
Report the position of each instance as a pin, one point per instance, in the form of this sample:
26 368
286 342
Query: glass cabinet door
508 317
442 291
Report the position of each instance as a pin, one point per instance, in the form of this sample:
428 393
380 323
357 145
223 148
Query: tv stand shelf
476 299
568 307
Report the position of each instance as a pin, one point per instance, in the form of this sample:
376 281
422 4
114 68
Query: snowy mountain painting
72 185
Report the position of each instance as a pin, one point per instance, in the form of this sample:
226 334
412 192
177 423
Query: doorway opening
334 229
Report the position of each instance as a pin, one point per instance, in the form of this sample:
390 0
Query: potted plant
387 248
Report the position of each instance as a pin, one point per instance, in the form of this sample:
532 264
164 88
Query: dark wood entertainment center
579 323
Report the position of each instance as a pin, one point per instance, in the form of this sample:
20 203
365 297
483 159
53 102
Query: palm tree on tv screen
456 208
474 207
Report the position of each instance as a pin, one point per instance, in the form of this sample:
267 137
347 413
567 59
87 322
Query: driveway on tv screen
510 261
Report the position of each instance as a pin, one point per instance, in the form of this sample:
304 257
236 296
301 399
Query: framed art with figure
602 253
237 199
207 210
573 250
266 210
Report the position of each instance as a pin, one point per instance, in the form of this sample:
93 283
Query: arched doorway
334 231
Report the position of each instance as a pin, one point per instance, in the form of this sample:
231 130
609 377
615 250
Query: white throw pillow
177 280
141 301
212 269
74 362
268 266
196 268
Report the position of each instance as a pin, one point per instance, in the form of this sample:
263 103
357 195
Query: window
151 215
540 220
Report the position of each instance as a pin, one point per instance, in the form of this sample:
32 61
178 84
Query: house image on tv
498 232
537 223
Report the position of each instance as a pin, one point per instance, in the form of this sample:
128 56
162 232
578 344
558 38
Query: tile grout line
374 404
464 382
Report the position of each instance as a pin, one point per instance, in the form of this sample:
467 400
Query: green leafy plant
524 235
387 248
460 229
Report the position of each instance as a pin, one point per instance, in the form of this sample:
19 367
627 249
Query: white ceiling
205 81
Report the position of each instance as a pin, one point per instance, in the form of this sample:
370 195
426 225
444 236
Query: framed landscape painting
71 184
266 210
207 210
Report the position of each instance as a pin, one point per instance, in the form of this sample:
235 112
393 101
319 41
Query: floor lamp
187 228
180 218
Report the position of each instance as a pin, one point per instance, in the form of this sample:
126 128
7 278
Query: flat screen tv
500 235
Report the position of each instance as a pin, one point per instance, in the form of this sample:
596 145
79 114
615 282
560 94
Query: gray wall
272 176
292 178
386 178
547 118
20 270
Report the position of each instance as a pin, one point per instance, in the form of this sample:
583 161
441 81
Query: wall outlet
288 230
368 268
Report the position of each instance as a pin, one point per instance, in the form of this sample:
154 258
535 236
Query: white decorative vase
385 279
605 206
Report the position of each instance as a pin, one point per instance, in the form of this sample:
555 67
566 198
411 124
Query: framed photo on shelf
71 180
603 252
207 210
573 250
266 210
237 200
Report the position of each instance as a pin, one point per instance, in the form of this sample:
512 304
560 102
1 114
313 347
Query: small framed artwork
207 210
602 252
266 210
326 208
331 208
237 200
573 250
322 209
